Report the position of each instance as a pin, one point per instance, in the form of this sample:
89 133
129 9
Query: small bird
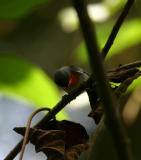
70 77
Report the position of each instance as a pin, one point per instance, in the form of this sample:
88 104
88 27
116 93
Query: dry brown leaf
67 141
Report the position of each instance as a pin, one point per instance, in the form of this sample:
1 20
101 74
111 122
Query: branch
95 59
51 114
116 28
130 65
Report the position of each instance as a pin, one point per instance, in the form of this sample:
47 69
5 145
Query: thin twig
95 59
116 27
25 139
57 108
129 65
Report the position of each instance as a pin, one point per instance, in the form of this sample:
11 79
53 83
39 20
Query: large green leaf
19 78
12 9
129 35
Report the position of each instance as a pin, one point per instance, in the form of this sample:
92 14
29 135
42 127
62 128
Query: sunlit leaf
16 8
136 83
19 78
129 35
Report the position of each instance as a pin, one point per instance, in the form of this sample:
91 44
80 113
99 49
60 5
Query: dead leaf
59 141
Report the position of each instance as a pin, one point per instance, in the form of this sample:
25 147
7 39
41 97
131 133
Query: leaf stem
25 139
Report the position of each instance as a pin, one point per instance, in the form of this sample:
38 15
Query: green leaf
13 9
136 83
129 36
23 79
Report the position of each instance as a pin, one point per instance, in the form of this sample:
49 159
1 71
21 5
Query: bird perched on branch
71 77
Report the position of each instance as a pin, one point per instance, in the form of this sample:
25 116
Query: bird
71 77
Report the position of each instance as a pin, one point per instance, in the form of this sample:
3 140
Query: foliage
59 140
20 78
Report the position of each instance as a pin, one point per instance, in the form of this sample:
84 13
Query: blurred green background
36 37
39 36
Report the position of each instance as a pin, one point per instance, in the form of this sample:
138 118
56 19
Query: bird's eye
61 78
